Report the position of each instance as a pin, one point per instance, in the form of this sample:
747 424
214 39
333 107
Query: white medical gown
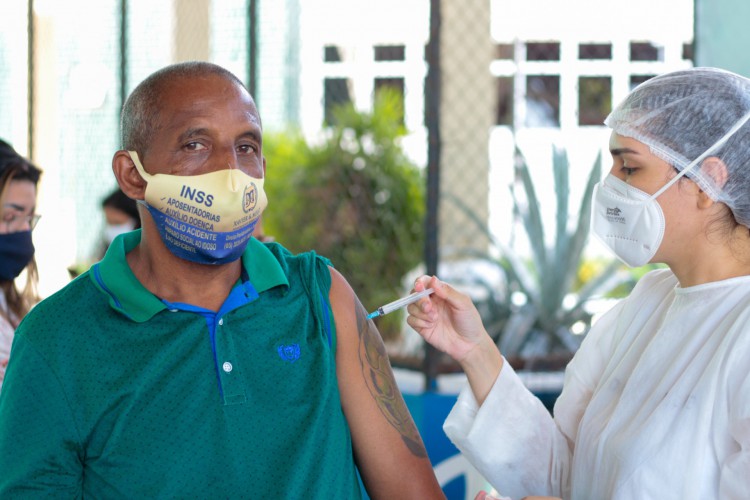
656 404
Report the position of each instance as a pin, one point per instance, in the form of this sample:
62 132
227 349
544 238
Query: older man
193 360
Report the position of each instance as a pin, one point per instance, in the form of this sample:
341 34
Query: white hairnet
687 115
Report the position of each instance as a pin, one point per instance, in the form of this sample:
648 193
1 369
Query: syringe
398 304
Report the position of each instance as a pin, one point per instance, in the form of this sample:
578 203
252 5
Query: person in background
120 216
656 402
18 189
194 361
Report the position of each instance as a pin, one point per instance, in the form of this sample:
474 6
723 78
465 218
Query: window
504 112
389 52
396 85
687 51
504 51
331 53
542 51
542 101
644 51
336 93
636 80
594 99
595 51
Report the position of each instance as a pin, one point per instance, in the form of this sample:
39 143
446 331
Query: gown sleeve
734 481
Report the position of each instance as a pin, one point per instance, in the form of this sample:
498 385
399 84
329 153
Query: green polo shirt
112 392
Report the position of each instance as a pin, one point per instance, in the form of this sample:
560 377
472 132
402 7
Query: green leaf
529 211
354 197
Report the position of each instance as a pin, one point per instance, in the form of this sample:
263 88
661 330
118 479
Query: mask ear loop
139 166
142 172
707 152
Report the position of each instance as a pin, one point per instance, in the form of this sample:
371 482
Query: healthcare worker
656 402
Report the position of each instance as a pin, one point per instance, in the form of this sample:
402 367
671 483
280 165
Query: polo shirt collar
113 276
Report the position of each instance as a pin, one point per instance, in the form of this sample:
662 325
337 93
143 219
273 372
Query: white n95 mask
627 220
206 218
112 231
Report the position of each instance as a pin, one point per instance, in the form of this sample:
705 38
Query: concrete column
466 115
721 34
192 32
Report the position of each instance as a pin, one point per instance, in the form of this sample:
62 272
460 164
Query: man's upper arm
39 445
388 448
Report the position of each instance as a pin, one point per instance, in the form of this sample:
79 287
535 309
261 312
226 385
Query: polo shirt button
227 366
221 321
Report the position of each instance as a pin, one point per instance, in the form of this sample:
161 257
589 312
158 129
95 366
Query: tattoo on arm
382 385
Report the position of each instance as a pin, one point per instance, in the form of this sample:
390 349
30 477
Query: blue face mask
16 251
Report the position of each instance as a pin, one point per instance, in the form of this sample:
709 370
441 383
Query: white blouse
6 337
656 404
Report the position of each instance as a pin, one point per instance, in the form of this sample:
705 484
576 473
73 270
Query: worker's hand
447 319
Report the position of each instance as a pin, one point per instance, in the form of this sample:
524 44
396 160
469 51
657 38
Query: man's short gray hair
141 111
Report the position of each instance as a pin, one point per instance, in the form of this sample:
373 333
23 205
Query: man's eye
194 146
628 170
247 148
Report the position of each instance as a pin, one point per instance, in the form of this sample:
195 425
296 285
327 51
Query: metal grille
500 80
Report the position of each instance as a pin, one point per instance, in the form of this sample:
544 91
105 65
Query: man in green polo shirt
193 360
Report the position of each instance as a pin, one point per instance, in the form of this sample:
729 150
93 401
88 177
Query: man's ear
130 181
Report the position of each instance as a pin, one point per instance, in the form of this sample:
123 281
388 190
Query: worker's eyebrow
621 151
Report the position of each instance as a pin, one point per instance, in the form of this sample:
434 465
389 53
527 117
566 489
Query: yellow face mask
205 218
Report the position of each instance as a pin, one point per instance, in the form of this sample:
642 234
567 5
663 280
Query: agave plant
541 323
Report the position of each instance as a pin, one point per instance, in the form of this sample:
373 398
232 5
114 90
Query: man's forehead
209 88
199 106
185 120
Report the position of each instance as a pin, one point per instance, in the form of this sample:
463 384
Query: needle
398 304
